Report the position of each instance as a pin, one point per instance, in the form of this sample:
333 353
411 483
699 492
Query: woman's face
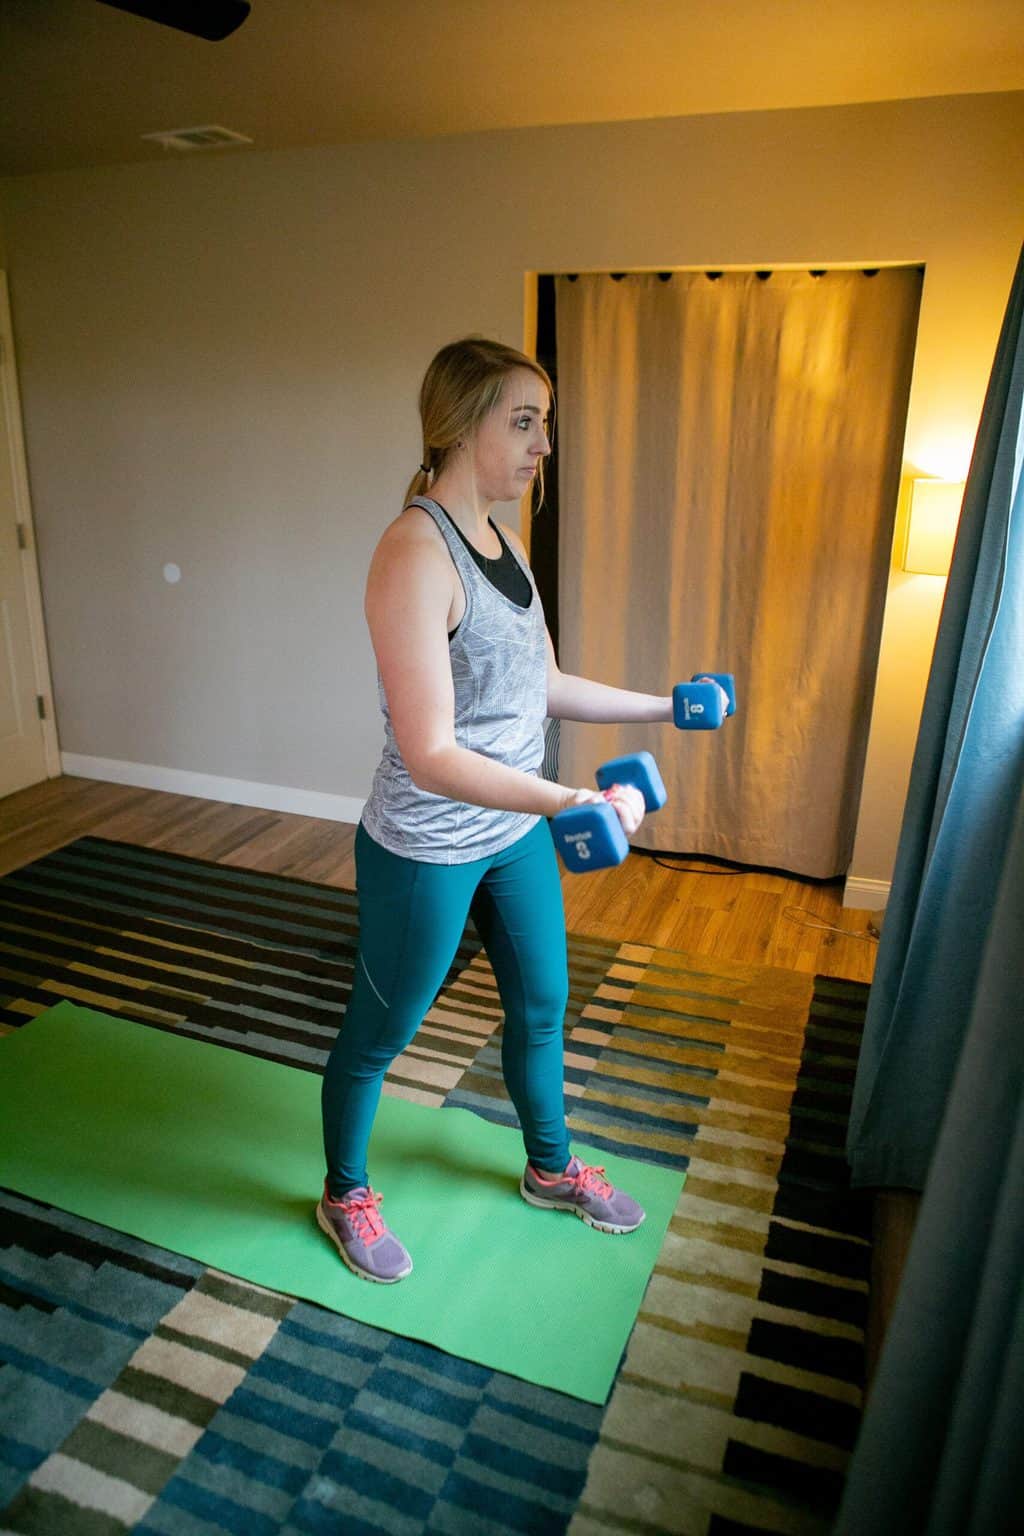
511 441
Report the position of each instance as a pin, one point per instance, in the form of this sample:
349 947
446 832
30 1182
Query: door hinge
41 706
22 536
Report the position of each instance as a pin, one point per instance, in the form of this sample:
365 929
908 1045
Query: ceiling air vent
208 137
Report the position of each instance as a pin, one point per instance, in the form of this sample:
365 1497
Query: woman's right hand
581 797
625 800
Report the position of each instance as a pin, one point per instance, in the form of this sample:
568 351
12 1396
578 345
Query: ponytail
418 485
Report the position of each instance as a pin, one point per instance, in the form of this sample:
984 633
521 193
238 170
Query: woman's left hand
725 696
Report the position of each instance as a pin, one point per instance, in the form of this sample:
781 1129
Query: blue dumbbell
591 836
697 705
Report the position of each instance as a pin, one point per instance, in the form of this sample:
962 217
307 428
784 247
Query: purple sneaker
583 1189
354 1226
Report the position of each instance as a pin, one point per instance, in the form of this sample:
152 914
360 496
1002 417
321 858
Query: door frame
10 403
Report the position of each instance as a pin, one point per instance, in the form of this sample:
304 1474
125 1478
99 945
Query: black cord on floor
801 915
711 864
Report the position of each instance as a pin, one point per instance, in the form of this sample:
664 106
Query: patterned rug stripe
149 1394
116 1459
133 874
699 1327
415 1426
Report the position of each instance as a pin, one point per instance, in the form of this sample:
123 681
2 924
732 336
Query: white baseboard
209 786
871 895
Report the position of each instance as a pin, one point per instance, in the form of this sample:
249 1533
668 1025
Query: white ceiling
80 82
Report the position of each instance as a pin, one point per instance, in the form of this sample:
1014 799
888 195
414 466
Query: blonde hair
462 385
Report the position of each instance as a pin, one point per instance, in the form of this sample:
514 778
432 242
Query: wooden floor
751 917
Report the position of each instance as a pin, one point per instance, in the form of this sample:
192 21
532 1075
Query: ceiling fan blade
212 19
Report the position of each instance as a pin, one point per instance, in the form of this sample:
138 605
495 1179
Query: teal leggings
411 919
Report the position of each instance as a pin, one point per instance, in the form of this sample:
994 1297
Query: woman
453 823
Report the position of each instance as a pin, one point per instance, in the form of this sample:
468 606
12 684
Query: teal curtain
939 1097
964 787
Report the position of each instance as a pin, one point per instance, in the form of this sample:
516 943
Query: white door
28 740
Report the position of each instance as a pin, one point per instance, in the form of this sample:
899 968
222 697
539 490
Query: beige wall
219 360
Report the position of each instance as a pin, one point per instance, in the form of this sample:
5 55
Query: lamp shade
931 526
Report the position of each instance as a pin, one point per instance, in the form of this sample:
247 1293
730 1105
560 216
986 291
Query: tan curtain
730 453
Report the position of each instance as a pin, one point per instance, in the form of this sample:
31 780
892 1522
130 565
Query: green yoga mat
217 1155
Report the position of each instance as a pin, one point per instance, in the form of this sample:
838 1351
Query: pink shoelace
587 1178
363 1211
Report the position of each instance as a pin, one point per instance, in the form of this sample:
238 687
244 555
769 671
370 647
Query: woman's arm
579 698
408 596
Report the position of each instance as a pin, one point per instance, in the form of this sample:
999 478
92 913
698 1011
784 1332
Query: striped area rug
139 1391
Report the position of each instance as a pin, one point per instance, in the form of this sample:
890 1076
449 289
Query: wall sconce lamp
931 526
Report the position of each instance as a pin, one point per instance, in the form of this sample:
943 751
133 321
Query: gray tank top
499 669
